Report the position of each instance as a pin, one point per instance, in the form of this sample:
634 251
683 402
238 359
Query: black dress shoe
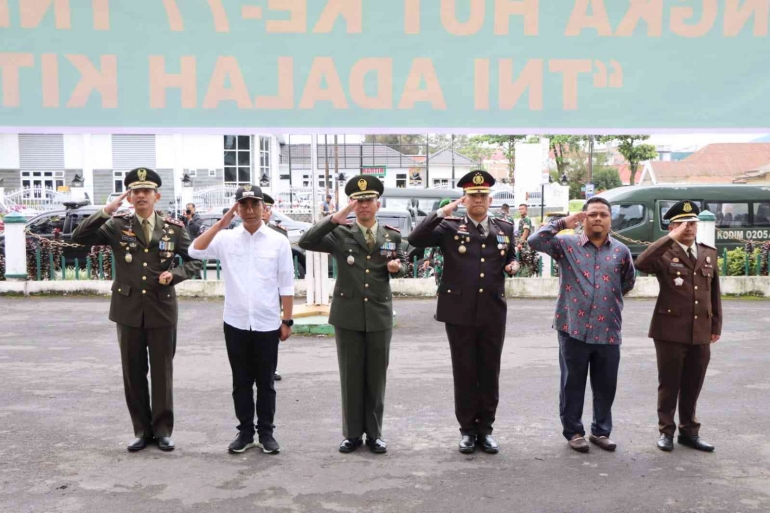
277 376
467 444
666 442
695 442
137 444
350 444
487 444
165 443
377 446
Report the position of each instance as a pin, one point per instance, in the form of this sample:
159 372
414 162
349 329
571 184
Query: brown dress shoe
579 443
603 442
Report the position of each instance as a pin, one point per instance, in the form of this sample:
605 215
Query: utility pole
453 161
590 158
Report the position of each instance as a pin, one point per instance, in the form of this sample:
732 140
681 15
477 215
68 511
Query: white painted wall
531 161
203 152
73 151
101 151
9 151
165 155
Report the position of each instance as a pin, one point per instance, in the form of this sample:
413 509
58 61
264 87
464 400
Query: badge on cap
687 207
142 174
362 184
478 179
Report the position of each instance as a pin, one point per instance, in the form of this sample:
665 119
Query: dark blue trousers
577 361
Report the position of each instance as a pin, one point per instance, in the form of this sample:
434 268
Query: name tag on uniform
676 265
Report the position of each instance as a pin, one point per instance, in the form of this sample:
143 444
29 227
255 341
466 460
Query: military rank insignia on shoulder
498 219
123 215
453 218
392 228
708 245
170 220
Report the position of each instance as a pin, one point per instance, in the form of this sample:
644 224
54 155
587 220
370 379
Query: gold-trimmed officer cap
248 191
363 187
477 182
269 201
683 211
142 178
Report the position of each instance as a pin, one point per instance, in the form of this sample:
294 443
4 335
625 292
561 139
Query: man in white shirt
257 268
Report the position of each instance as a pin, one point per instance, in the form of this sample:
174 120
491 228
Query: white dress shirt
694 248
257 269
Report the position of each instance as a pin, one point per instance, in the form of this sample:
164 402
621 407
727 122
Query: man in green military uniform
527 256
144 307
368 254
504 213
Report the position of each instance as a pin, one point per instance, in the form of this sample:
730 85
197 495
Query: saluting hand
341 217
448 209
573 221
394 266
115 204
224 223
678 232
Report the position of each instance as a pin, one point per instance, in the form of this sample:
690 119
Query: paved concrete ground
64 425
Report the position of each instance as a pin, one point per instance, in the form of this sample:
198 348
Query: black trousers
253 357
476 352
156 419
576 360
681 372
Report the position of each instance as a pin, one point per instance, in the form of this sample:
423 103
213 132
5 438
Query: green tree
633 153
507 143
406 144
606 178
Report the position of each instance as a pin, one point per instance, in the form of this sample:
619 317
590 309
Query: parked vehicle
43 226
416 201
742 211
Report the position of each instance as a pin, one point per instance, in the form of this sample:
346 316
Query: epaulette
171 220
121 214
453 218
277 226
392 228
708 245
503 220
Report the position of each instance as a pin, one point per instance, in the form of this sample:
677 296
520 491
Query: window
264 161
117 181
212 173
46 224
193 173
36 181
626 216
440 182
401 181
730 215
761 213
237 159
664 205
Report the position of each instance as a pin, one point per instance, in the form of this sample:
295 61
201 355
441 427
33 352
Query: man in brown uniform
144 305
686 321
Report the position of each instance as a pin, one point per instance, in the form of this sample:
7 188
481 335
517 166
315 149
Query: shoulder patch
170 220
122 214
503 221
392 228
453 218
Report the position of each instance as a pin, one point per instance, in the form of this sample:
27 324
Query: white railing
35 198
216 196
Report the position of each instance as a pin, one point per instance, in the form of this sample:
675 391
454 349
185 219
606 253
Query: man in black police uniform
471 301
144 304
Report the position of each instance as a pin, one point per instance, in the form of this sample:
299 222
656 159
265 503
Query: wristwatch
288 322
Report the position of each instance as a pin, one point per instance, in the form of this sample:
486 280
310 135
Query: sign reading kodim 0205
509 65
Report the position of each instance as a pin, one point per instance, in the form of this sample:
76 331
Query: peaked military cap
364 187
683 211
269 201
248 191
477 182
142 178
